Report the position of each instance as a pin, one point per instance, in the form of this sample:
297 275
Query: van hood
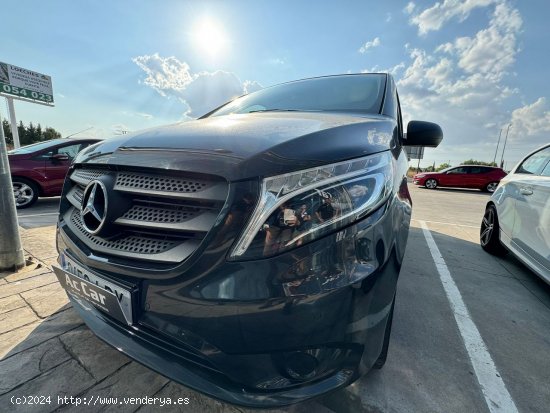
245 146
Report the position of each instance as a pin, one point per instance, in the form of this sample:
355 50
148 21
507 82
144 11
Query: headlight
419 176
299 207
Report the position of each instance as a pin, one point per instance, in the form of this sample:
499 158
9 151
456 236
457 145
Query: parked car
252 254
517 218
39 169
485 178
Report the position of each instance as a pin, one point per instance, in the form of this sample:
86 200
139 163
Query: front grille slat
166 219
173 187
184 219
143 247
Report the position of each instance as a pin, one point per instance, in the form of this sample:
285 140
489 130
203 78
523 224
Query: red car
485 178
39 169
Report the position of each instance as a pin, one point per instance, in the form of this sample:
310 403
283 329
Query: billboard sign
25 84
415 152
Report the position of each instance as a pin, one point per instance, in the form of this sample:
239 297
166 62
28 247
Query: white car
517 217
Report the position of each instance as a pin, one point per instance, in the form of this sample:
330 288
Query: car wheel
491 187
381 360
25 192
430 183
489 233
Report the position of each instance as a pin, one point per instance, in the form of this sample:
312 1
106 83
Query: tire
381 360
489 233
430 183
491 187
25 192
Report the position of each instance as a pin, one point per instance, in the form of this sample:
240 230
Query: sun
209 37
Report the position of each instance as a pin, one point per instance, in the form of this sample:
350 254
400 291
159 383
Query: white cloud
532 120
388 17
200 92
492 50
392 70
434 17
369 45
250 86
409 8
462 85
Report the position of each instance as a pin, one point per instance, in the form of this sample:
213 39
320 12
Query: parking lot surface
471 332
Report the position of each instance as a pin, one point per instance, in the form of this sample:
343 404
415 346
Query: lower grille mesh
132 243
159 214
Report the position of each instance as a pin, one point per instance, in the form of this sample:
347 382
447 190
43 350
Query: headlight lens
299 207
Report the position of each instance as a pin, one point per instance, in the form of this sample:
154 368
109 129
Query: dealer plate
105 295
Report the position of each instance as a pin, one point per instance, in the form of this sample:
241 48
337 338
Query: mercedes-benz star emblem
94 207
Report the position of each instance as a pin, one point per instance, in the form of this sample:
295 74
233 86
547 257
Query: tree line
29 134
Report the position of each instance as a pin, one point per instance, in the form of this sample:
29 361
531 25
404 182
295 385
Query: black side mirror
59 157
420 133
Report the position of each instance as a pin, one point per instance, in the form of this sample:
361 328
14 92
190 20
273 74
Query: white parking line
493 388
38 215
447 223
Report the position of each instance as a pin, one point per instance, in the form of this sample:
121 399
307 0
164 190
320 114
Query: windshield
35 147
345 93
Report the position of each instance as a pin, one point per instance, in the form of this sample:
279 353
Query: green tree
476 162
7 132
39 133
50 133
444 165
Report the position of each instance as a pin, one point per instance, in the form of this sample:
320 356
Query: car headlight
419 176
299 207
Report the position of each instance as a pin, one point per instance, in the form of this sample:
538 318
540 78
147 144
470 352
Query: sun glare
210 38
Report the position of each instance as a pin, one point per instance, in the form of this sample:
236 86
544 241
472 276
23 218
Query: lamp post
498 143
504 146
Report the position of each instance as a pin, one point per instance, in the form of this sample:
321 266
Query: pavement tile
25 285
197 401
46 300
27 272
16 318
133 380
11 303
67 379
33 334
98 358
30 363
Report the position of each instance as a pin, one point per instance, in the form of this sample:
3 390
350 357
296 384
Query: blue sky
473 65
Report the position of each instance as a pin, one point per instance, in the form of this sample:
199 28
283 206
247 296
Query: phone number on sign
29 94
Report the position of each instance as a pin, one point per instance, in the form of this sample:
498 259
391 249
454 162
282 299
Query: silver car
517 217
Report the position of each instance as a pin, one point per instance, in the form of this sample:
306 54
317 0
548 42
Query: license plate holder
106 296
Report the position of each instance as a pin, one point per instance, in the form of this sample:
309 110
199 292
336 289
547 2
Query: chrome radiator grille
165 220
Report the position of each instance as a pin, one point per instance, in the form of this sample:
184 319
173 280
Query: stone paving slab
26 365
46 300
16 318
98 358
26 285
132 380
33 334
11 303
28 272
67 379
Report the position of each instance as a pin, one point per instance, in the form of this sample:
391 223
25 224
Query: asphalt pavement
43 213
471 332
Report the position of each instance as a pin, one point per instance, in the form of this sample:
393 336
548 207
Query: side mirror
420 133
60 157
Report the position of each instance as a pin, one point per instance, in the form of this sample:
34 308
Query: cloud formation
434 17
200 92
463 84
370 45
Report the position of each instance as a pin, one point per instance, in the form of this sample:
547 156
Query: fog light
301 365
